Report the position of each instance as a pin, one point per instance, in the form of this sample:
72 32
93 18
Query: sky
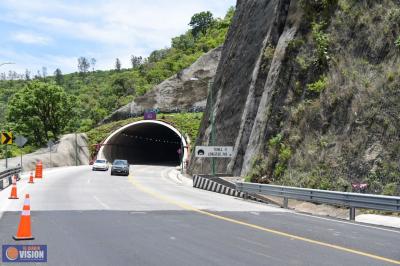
54 33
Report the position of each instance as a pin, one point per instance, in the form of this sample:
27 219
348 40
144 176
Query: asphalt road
155 218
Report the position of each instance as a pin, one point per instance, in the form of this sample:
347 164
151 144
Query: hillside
316 100
95 94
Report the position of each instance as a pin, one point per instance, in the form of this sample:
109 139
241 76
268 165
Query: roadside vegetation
87 96
339 126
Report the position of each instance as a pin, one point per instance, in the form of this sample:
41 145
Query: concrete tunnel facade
145 142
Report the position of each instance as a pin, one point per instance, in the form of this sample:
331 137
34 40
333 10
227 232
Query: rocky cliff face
308 93
178 93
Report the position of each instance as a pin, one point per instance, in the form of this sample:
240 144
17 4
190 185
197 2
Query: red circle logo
12 253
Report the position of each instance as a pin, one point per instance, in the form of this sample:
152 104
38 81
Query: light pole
182 151
212 133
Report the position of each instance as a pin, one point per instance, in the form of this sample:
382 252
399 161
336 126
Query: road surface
154 218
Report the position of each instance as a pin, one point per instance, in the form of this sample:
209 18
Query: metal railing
5 176
346 199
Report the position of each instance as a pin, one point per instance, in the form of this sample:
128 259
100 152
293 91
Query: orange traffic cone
13 194
39 170
31 179
24 228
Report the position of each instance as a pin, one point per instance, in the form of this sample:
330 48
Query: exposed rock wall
241 77
62 154
178 93
308 93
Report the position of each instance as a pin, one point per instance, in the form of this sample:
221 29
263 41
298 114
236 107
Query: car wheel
112 173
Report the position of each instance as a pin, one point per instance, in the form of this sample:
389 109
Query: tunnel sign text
214 151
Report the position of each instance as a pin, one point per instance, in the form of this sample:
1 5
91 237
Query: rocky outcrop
307 93
185 91
243 81
63 153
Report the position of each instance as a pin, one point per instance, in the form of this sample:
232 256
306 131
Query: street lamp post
212 119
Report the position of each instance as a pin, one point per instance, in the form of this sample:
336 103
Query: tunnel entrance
145 142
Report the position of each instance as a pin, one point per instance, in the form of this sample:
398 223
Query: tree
58 77
38 75
41 110
83 65
200 22
93 62
27 74
117 64
158 55
44 73
136 61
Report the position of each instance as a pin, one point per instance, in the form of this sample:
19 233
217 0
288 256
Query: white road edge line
164 175
350 223
101 203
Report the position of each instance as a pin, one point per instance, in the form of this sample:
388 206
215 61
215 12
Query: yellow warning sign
6 138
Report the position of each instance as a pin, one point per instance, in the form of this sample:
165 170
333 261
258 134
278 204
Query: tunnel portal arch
145 142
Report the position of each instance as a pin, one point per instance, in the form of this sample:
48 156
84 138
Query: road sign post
50 144
214 151
20 141
6 139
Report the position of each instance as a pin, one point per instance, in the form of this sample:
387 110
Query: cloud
103 29
31 38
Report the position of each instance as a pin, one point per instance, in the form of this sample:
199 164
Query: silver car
100 164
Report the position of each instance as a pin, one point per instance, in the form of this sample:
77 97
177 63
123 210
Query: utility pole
182 152
76 149
6 156
212 120
210 85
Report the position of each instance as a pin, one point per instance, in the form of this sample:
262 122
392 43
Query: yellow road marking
316 242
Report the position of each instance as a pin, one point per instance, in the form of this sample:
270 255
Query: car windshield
120 162
100 161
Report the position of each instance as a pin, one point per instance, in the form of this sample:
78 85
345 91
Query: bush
318 86
397 42
390 189
322 42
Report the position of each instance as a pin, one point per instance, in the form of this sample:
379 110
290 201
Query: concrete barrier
211 185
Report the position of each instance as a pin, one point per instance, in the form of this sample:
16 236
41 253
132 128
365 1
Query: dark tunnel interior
146 143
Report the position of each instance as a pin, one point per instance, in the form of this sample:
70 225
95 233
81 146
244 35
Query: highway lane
153 218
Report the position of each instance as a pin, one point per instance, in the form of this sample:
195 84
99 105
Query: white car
100 164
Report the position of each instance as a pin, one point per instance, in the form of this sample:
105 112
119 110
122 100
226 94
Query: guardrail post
352 214
285 203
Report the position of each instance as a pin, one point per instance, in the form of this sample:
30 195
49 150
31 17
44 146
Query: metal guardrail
347 199
5 176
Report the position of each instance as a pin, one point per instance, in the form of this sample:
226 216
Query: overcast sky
54 33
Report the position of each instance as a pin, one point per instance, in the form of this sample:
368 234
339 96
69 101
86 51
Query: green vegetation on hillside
95 93
339 124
